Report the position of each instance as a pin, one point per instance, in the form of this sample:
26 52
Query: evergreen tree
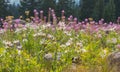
117 5
3 8
86 8
30 5
46 4
98 10
109 11
66 5
76 11
14 10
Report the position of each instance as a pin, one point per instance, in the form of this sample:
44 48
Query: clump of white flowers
103 53
67 33
69 42
48 56
112 40
8 44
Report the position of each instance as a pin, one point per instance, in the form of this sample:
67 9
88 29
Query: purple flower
110 23
1 19
36 13
54 17
41 11
35 10
86 20
52 10
69 19
119 18
17 20
75 19
63 11
71 16
102 19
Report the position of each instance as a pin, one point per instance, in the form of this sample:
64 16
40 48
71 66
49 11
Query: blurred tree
117 5
46 4
66 5
98 10
3 8
14 10
86 8
30 5
76 11
109 11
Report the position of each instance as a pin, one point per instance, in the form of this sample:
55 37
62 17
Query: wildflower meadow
57 44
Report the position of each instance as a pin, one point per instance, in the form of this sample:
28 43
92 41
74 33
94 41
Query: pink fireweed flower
110 23
1 19
36 13
100 22
86 20
75 19
50 9
102 19
53 15
35 10
41 14
83 22
63 12
17 21
79 23
41 11
71 17
5 23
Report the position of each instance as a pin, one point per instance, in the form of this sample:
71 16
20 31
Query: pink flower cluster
70 23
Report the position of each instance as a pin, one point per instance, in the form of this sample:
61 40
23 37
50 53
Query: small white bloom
83 50
2 31
19 52
24 40
62 46
48 25
50 36
67 33
66 51
19 47
18 30
114 40
68 44
103 53
48 56
79 44
35 35
16 41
